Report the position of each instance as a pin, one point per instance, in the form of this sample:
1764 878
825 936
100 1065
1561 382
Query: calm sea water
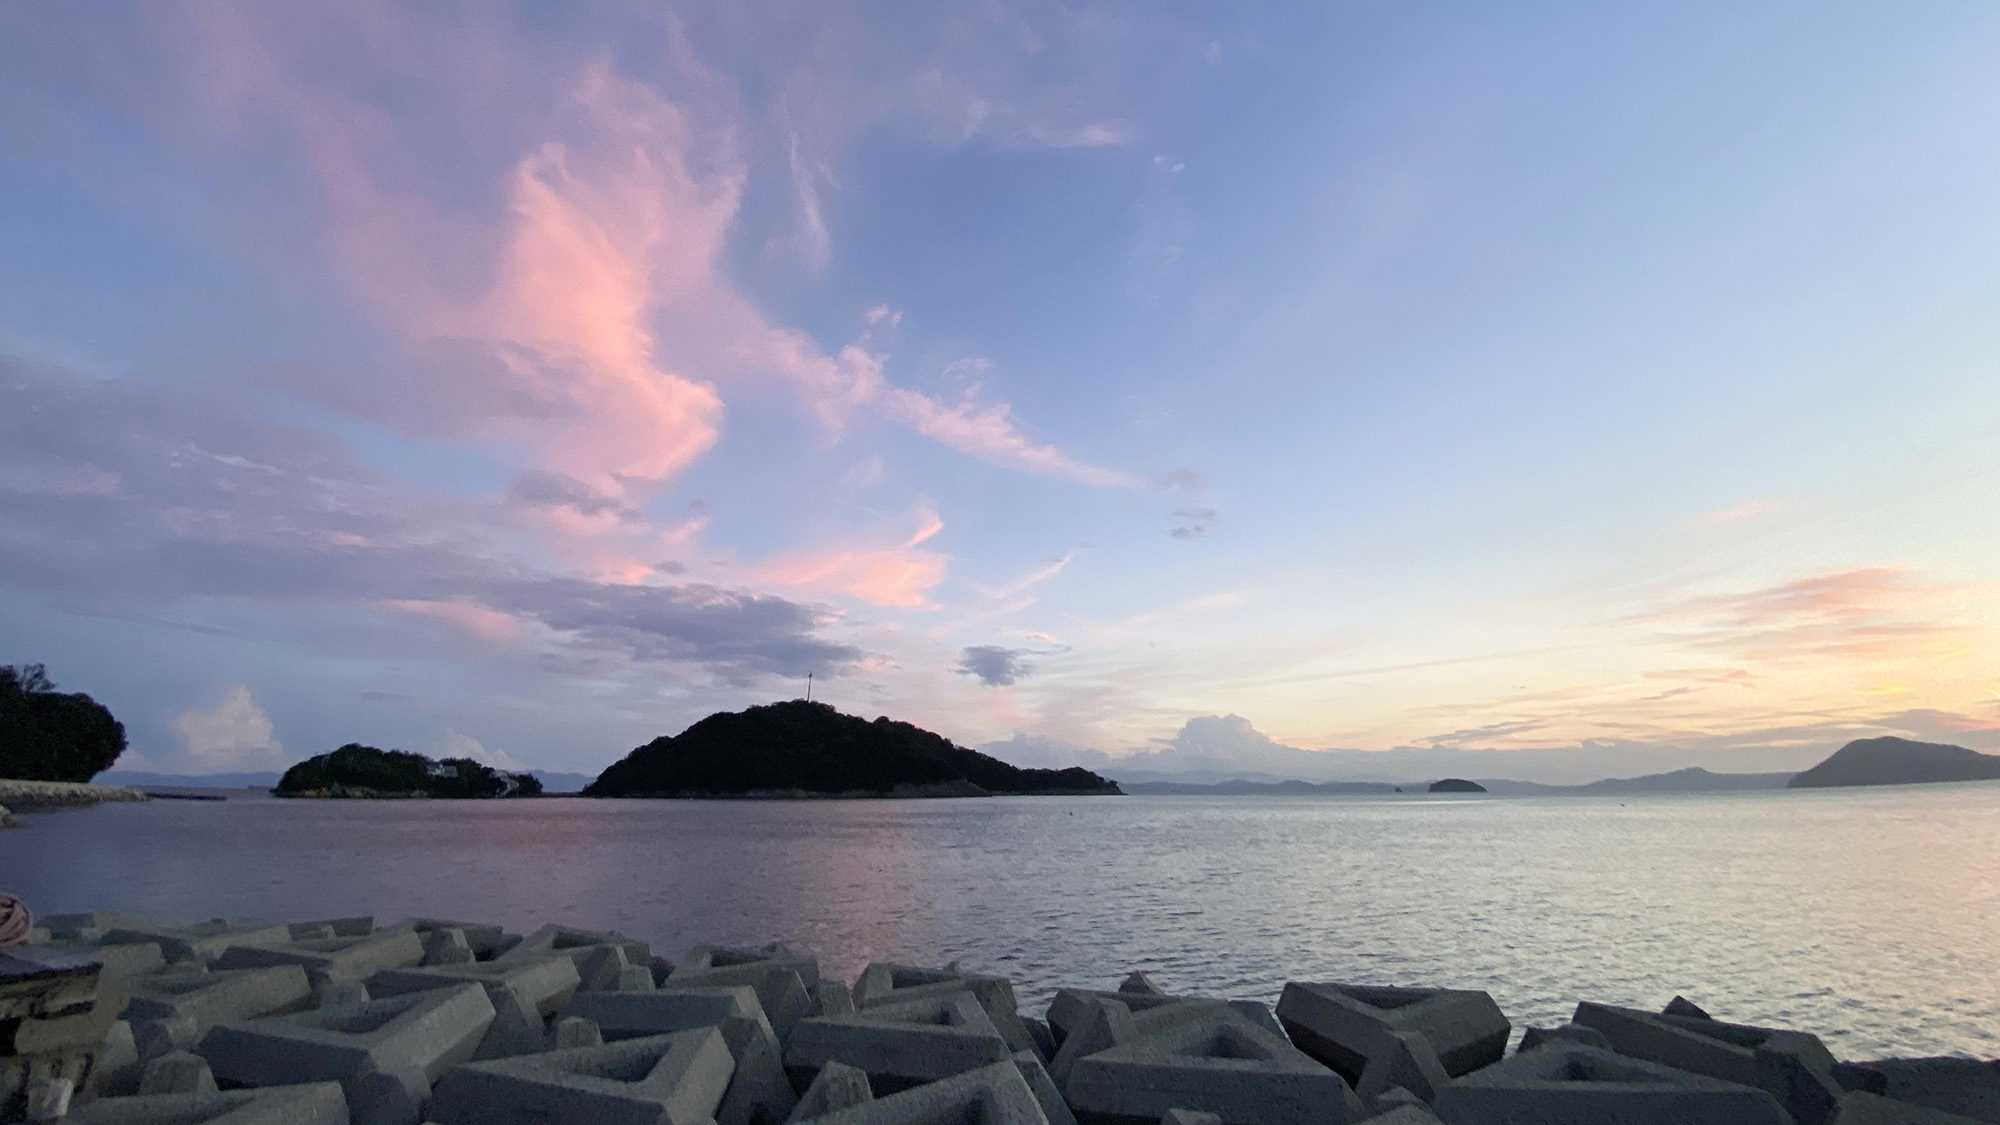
1866 915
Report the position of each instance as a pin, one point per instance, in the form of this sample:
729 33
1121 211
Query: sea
1867 916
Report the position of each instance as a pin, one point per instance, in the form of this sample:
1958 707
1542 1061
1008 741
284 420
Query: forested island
355 770
801 749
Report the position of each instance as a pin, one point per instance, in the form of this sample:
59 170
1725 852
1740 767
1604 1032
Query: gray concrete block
320 1103
1967 1087
676 1079
1141 984
710 960
202 942
176 1007
1682 1006
447 946
336 959
340 994
1792 1066
1071 1006
1416 1114
784 984
1857 1108
1189 1117
487 941
1404 1061
1044 1088
1343 1025
575 943
837 1086
178 1072
909 1041
990 1095
760 1093
574 1031
92 925
1223 1064
1570 1084
116 1069
628 1015
1564 1033
884 983
357 926
541 985
422 1031
829 998
1109 1023
606 968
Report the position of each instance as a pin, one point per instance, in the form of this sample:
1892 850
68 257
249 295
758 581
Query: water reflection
1867 915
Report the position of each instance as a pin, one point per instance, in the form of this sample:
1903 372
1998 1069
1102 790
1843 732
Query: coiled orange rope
15 922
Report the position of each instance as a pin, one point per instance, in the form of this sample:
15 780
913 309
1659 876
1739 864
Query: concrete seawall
116 1020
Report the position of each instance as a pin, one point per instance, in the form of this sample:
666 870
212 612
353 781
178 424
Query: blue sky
531 380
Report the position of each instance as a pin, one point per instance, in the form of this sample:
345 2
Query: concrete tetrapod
1874 1109
1073 1006
901 1043
676 1079
318 1103
1967 1087
1796 1068
524 994
836 1087
385 1053
988 1095
786 984
1570 1084
574 943
628 1015
171 1010
761 1092
884 983
1344 1025
336 958
203 942
1224 1064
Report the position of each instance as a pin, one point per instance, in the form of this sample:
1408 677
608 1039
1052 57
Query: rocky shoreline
16 794
113 1020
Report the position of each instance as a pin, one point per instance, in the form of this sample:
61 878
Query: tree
47 735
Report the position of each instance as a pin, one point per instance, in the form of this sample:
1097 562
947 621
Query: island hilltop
800 749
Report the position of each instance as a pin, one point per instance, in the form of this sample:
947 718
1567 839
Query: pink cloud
900 576
478 621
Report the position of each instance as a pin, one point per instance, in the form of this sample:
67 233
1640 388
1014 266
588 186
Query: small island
1456 785
361 771
798 749
1898 761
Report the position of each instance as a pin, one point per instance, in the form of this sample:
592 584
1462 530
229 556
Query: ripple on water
1866 915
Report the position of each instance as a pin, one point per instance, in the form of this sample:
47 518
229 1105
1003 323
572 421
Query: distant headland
363 771
801 749
1898 761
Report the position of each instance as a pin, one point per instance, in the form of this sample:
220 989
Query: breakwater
340 1021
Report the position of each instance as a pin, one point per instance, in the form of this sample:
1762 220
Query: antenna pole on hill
809 687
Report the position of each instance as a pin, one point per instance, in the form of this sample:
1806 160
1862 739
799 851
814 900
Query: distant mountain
1456 785
1257 788
1898 761
142 780
553 782
1694 779
800 749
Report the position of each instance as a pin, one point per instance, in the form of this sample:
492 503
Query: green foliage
811 747
357 770
47 735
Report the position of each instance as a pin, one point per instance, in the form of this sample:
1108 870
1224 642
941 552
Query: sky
529 380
